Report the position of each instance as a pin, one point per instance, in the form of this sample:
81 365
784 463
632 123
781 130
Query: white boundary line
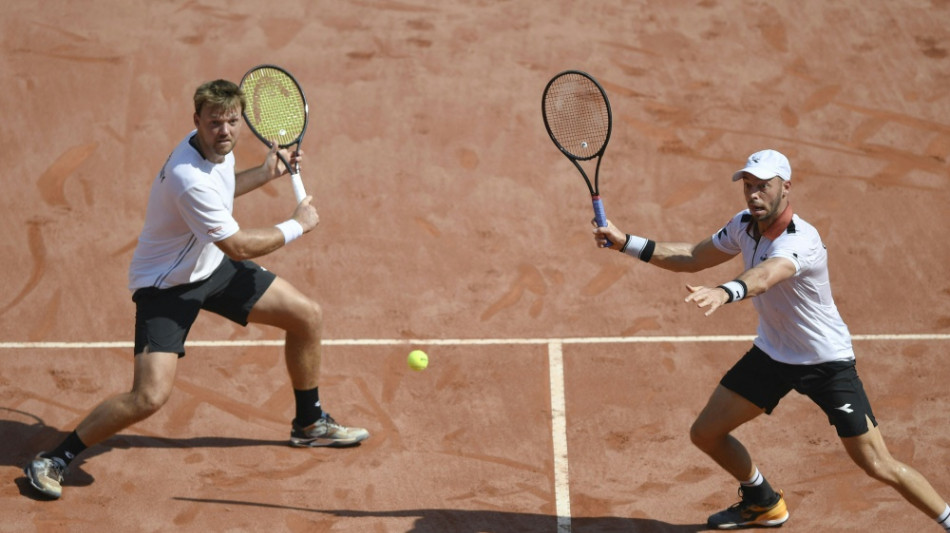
562 491
465 342
562 481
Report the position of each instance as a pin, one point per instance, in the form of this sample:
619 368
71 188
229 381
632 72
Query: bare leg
724 412
301 318
870 453
285 307
154 377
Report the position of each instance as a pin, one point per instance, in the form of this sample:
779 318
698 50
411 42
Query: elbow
240 256
237 253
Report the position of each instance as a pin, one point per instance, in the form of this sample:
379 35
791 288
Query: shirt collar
780 225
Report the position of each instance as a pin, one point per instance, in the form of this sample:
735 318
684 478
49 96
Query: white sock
754 481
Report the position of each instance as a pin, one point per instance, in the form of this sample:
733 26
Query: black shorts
163 317
833 386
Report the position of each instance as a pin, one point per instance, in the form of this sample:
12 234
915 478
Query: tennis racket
276 111
578 119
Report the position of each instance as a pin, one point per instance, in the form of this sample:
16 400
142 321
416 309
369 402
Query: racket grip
297 183
599 215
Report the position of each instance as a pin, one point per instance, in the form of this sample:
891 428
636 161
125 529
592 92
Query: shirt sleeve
727 238
205 212
793 247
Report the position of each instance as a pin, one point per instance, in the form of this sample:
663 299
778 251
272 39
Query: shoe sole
768 523
325 443
36 485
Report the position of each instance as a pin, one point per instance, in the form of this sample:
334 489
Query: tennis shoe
46 475
748 514
326 432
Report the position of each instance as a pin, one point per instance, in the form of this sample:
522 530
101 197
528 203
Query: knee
310 316
702 436
884 470
149 400
303 319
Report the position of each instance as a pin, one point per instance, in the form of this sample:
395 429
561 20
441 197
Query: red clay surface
446 213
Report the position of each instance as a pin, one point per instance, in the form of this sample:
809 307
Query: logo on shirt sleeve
215 229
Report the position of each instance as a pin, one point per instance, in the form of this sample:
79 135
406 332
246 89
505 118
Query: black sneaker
748 514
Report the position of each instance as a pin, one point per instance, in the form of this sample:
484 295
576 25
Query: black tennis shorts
833 386
163 317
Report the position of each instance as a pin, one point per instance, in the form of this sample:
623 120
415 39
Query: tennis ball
418 360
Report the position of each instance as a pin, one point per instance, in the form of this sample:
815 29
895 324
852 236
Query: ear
196 120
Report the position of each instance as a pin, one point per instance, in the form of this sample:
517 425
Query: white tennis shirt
799 323
189 209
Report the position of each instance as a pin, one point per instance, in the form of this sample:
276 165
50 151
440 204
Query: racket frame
296 181
594 188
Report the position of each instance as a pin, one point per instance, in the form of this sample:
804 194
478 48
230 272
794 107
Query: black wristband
647 252
638 247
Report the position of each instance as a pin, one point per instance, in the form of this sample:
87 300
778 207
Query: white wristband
735 289
291 230
638 247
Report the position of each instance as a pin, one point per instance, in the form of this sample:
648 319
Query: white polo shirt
799 323
189 209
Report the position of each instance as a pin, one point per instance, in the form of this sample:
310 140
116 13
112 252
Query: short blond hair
221 94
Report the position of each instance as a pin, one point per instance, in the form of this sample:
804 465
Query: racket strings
275 106
577 115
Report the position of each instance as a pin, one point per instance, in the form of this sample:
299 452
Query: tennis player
193 255
801 343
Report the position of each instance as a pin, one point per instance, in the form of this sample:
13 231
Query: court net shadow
467 521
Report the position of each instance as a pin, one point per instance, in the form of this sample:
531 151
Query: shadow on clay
467 521
23 434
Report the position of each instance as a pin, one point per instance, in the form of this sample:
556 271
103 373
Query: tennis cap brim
765 165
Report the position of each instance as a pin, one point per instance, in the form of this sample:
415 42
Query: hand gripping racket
577 117
276 111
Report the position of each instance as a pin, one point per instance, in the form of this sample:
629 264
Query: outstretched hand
711 297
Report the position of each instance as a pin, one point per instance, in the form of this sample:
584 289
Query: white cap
765 165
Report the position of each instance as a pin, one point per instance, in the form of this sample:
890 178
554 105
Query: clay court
563 378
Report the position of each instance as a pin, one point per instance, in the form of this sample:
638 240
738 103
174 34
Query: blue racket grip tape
599 216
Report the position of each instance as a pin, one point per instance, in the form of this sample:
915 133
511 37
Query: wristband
736 289
291 230
639 247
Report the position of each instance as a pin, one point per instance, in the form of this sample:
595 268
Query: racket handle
599 215
299 191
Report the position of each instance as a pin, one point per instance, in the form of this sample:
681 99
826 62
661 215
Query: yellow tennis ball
418 360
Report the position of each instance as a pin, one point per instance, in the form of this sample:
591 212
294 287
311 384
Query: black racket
276 111
577 117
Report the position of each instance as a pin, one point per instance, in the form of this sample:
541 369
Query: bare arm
674 256
272 168
685 257
757 280
255 242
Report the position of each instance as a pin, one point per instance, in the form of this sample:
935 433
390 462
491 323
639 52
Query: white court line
562 482
467 342
562 495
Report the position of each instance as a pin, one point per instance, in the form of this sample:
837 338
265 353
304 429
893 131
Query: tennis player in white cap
801 343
